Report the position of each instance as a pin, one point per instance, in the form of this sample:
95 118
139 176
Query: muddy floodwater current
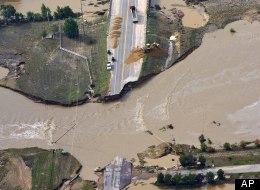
214 91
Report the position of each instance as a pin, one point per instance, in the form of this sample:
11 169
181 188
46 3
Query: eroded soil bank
218 82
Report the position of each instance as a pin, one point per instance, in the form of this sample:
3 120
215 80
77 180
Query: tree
187 160
30 16
191 179
220 174
160 178
203 147
71 28
8 11
227 146
45 11
202 138
202 160
210 177
199 178
176 179
167 180
62 13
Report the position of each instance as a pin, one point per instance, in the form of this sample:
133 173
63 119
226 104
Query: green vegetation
210 177
203 147
226 160
97 37
202 138
160 178
71 28
232 30
3 172
52 75
250 175
48 167
187 160
8 11
220 174
227 146
202 160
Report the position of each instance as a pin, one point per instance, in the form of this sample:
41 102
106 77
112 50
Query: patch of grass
101 77
233 160
250 175
3 172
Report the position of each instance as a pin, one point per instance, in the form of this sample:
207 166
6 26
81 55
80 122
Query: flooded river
218 82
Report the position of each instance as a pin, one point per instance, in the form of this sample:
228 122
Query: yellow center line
122 80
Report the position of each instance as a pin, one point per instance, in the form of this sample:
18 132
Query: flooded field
218 82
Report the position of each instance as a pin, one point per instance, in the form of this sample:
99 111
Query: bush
210 177
189 179
167 180
203 147
209 141
71 28
227 146
160 178
176 179
44 33
220 174
232 30
202 138
187 160
202 160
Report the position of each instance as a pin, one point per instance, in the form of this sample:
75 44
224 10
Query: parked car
109 66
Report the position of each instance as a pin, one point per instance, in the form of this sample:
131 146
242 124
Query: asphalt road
227 170
130 37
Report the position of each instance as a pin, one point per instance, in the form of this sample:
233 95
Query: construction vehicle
134 14
149 47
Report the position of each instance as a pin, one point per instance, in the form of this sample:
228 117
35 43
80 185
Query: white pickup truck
134 14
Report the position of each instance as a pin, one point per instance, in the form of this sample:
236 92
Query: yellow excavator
149 47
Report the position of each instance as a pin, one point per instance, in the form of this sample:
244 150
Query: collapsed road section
127 30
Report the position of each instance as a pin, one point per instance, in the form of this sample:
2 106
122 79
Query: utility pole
83 24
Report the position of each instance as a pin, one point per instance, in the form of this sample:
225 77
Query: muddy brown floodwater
24 6
217 82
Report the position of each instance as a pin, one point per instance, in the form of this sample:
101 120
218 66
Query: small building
117 174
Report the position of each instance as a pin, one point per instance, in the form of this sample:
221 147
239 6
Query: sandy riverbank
194 17
218 82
